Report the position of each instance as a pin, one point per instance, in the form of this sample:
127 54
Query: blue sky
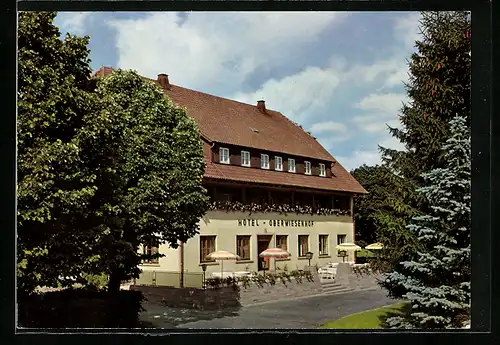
338 74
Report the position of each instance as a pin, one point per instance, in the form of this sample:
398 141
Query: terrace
229 197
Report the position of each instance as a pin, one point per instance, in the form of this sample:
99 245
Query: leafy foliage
381 215
368 206
260 280
437 282
81 308
104 165
283 209
52 189
147 157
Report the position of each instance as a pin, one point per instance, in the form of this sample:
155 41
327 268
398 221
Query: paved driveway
300 313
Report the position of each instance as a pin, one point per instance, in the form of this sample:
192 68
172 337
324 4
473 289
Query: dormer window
264 161
308 167
322 170
224 155
245 158
291 165
278 163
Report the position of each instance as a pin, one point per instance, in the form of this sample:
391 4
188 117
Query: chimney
163 81
261 105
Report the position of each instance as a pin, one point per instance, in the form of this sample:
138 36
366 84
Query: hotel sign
276 223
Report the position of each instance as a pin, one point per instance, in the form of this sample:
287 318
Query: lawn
368 319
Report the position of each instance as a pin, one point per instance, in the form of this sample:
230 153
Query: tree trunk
114 282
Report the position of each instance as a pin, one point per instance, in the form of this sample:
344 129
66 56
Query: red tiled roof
230 122
342 181
103 72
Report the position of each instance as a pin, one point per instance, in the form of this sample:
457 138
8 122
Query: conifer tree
438 88
437 281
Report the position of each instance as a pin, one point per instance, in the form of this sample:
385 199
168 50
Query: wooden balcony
252 200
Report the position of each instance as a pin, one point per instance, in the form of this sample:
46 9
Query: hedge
80 308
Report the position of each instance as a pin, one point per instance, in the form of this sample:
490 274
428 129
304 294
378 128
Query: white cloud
358 158
393 71
215 50
74 22
330 133
218 52
392 143
406 29
378 111
369 157
329 126
297 95
381 102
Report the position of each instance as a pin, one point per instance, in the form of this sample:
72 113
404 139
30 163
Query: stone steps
332 288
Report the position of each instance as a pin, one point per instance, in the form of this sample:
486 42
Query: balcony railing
231 206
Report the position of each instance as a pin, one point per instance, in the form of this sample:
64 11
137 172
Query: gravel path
301 313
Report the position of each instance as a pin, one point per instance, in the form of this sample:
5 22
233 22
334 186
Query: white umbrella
375 246
222 255
348 247
276 253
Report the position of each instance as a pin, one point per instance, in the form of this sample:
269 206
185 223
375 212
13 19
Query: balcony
284 209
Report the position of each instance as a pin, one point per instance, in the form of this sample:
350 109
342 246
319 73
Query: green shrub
98 281
77 308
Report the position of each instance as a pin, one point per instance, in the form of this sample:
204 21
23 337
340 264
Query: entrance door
263 242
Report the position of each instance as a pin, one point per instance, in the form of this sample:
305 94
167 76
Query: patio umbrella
222 255
348 247
276 253
375 246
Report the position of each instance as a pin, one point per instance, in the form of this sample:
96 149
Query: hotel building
271 185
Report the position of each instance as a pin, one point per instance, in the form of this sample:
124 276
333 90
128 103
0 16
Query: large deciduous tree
52 190
103 165
437 281
147 156
368 206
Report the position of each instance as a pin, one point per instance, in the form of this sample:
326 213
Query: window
323 244
278 163
303 245
264 161
281 242
224 155
341 239
151 249
207 246
308 167
243 247
291 165
322 170
245 158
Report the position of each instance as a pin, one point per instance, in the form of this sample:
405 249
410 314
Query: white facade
262 228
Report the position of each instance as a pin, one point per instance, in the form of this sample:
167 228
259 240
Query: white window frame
276 166
291 167
221 155
262 166
243 154
249 246
322 169
308 245
204 259
326 246
307 165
